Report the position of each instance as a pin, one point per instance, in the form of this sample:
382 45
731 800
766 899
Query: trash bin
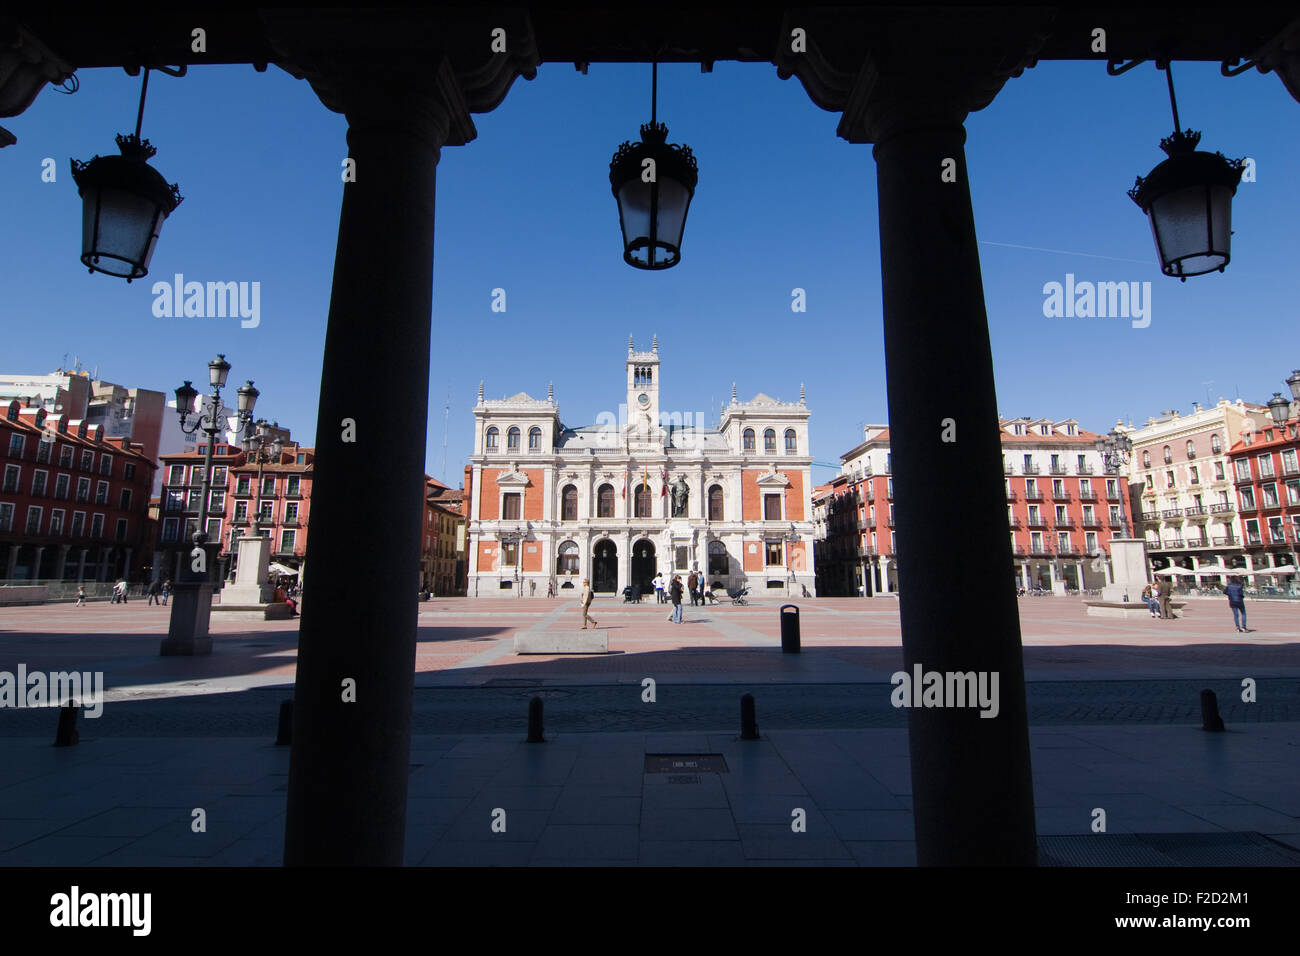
789 629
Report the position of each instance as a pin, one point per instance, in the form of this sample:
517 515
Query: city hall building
640 493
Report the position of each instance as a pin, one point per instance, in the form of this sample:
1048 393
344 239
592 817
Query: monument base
1128 610
275 611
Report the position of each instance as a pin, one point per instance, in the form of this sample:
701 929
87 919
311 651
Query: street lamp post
791 537
1116 449
514 537
187 633
259 444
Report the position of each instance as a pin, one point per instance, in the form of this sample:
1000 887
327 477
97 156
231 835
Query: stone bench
590 641
24 594
1131 609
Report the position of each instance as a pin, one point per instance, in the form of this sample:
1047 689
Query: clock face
644 399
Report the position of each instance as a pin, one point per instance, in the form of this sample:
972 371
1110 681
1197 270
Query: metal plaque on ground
685 763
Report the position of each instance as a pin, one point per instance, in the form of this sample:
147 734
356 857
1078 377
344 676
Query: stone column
972 789
62 566
12 562
885 587
36 565
351 747
81 565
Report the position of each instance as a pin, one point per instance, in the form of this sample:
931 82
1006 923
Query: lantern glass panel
673 202
1189 245
119 231
634 205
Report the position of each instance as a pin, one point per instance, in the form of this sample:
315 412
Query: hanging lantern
653 182
124 203
1188 199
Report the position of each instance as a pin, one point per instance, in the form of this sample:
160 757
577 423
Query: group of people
158 593
1157 600
696 586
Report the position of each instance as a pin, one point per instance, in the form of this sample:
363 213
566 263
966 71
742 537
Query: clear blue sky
781 203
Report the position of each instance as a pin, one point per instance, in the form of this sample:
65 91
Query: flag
663 490
623 493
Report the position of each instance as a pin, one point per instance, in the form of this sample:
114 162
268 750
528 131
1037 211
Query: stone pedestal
187 631
251 574
1129 566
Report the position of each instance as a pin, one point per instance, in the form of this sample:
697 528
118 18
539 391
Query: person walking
1164 589
153 593
585 600
81 596
659 587
692 583
675 592
550 588
166 591
1237 601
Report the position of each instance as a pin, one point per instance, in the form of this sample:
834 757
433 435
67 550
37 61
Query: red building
1266 472
443 566
279 492
73 504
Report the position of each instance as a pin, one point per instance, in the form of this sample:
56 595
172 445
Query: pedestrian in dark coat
1237 602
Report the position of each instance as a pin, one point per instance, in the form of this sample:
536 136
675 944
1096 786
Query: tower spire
654 345
803 395
630 346
550 391
733 391
480 391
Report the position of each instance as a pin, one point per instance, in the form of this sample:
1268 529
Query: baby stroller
631 594
739 596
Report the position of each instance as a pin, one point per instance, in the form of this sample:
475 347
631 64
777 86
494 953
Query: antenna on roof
446 417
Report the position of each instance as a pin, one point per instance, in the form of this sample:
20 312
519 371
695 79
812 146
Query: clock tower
643 392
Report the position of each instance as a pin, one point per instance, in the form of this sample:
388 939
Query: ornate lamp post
1280 409
515 537
262 447
1116 449
188 627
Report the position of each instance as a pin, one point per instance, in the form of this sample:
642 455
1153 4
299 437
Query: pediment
773 479
514 478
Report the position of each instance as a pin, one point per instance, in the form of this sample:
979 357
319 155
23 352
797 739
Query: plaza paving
1113 710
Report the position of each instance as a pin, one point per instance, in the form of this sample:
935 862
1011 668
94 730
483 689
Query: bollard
1210 719
535 722
284 732
748 718
789 629
67 735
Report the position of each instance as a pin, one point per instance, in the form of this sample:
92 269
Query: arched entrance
643 566
604 567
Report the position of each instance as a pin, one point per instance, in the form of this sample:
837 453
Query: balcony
1031 470
1198 542
1041 550
862 524
1248 508
1091 521
1243 479
1220 509
1065 523
1016 523
1008 468
1171 513
1290 468
1033 495
1058 470
1085 469
1113 494
867 552
1221 540
1276 537
1069 551
1154 545
1148 516
1036 522
1173 543
1196 511
1253 540
891 522
1273 505
1087 494
1011 495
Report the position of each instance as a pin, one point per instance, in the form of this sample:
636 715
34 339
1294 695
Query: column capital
914 73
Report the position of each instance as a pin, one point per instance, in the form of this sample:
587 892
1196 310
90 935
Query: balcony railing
1290 468
1243 479
1174 543
1039 522
1222 539
1044 550
1113 495
1008 468
1086 469
1065 522
1059 470
1197 542
867 552
1016 523
1267 505
1011 494
1033 495
1248 507
1196 511
1277 537
1068 550
1091 521
1171 512
1031 470
1087 494
1154 545
1220 509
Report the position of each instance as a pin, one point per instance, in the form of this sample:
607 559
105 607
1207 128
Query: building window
1196 475
791 442
1293 492
567 561
295 486
774 558
1146 459
125 500
769 441
1269 495
176 475
1058 488
78 523
265 510
491 439
301 459
749 439
1216 443
1090 541
509 554
510 506
569 503
33 519
87 460
643 501
241 511
56 522
1243 468
605 501
106 465
12 475
6 516
534 439
43 449
65 456
1169 456
1218 471
291 512
512 439
268 486
1265 466
771 507
101 493
217 502
39 480
128 471
244 485
1169 479
120 533
61 486
97 526
218 476
16 444
286 541
1247 499
715 503
719 563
